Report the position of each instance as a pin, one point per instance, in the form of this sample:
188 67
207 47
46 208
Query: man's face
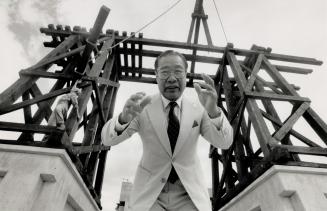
171 76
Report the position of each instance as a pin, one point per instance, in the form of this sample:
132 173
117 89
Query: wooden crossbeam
38 73
252 107
292 131
133 55
11 94
254 73
304 150
71 123
56 58
30 128
278 97
92 39
140 50
279 135
272 85
33 101
200 47
87 149
36 92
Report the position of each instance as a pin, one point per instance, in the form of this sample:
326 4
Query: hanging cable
148 24
220 20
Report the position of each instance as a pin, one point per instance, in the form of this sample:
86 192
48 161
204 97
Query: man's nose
171 78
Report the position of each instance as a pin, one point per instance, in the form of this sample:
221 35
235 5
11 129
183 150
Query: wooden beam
254 73
287 126
92 39
304 150
55 58
188 57
34 100
87 149
38 73
199 47
71 123
292 131
252 107
278 97
11 94
30 128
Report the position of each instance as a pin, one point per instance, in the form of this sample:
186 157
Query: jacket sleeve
109 135
217 131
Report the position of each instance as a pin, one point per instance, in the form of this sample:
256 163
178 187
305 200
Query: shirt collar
166 102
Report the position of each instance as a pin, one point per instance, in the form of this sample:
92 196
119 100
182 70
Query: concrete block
33 178
284 188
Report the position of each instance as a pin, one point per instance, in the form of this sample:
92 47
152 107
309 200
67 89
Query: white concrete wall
284 188
39 179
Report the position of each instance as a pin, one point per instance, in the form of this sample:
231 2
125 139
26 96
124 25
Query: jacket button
163 180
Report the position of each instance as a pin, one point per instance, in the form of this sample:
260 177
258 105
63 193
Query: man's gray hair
170 53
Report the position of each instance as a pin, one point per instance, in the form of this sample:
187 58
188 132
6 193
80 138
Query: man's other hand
133 107
207 95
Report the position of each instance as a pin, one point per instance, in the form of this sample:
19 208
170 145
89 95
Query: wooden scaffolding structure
245 97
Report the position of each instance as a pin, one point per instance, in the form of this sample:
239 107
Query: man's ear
157 79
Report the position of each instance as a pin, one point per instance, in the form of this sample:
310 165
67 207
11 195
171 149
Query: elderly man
169 175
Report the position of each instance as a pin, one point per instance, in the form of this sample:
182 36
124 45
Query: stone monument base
284 188
41 179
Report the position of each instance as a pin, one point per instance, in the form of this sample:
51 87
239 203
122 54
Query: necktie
173 131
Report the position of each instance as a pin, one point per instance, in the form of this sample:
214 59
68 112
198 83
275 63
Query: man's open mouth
171 88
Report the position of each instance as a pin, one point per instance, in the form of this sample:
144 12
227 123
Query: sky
294 27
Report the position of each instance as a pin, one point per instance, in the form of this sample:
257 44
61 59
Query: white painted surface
284 188
41 179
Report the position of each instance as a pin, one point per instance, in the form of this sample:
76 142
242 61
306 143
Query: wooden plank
98 100
36 92
190 32
199 47
43 110
298 70
278 97
12 93
91 128
55 58
92 39
38 73
188 57
206 31
252 107
293 132
133 55
304 150
214 170
306 164
33 101
254 73
71 123
124 53
100 173
316 123
27 116
87 149
36 100
272 85
30 128
279 135
278 78
140 57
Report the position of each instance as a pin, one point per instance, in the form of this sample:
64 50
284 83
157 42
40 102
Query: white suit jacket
157 159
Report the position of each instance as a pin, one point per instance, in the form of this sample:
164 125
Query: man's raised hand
207 95
133 107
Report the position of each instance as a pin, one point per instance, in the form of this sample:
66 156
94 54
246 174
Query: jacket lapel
157 118
187 120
